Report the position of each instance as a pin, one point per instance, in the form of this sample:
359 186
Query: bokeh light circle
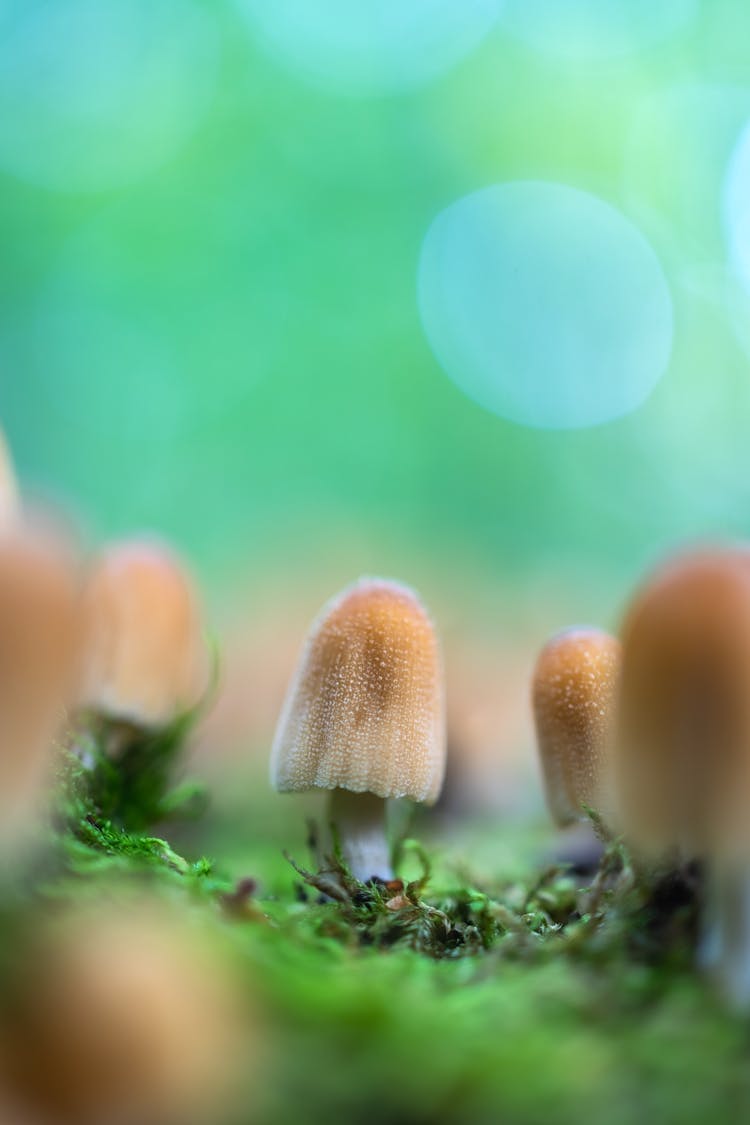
679 142
737 207
545 305
355 47
94 94
580 30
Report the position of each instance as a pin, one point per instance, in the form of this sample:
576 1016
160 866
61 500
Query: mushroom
364 716
573 694
144 659
122 1013
38 637
683 741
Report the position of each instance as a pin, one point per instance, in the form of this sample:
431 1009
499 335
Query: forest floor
490 983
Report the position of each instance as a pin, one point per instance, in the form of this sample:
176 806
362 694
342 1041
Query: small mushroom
683 741
573 694
144 657
364 716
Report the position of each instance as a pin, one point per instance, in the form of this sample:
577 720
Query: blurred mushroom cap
144 658
38 650
365 709
683 713
123 1014
573 697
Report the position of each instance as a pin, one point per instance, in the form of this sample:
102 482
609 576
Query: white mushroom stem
725 944
359 820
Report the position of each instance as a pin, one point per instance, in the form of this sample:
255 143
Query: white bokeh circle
545 305
358 47
736 207
678 145
94 94
587 30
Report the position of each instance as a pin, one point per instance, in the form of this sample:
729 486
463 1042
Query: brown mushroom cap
365 709
144 658
121 1013
683 716
38 635
573 694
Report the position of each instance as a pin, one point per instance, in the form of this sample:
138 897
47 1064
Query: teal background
291 402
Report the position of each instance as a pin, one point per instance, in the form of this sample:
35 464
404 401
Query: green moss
134 787
531 996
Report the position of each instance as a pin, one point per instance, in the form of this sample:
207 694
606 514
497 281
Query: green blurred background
212 215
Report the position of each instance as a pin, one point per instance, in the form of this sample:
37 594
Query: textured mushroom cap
683 714
573 694
9 500
38 634
144 659
365 709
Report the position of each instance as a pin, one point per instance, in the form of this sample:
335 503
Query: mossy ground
532 995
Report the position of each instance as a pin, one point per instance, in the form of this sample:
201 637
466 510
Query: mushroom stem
725 945
359 819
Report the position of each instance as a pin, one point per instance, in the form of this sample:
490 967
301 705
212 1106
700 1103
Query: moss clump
103 806
616 914
134 785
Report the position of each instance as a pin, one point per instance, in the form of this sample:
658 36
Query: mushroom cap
144 658
683 713
365 709
124 1012
573 694
38 650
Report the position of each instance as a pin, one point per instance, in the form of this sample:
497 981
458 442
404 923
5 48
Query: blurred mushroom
123 1014
683 741
364 716
144 658
37 661
573 697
